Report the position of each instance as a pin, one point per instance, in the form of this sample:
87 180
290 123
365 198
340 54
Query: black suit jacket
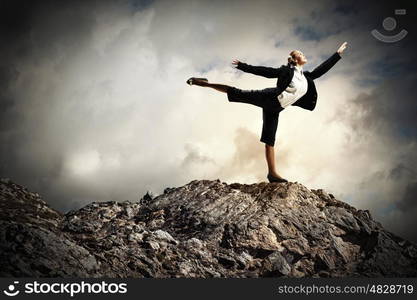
285 74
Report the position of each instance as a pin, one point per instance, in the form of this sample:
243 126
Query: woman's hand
235 62
342 48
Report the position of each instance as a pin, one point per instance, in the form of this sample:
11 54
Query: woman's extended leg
265 98
219 87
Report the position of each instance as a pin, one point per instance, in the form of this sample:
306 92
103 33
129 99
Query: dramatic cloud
94 105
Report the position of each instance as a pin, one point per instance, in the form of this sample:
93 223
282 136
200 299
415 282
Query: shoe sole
274 179
278 181
190 81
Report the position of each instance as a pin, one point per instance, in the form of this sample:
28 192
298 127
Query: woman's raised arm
329 63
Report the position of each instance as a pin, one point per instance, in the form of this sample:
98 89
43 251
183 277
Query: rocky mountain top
206 228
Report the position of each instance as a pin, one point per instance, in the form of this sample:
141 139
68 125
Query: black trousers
268 101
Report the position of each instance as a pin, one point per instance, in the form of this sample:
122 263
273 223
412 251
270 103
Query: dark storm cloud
402 171
389 110
344 15
388 113
16 18
140 4
346 8
15 25
409 201
309 34
34 32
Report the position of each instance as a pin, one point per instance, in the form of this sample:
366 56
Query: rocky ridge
206 228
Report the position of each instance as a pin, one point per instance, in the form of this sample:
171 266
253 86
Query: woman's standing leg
270 159
269 129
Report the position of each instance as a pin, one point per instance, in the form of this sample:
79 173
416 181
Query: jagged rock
202 229
147 198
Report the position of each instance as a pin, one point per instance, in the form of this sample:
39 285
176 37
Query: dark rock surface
203 229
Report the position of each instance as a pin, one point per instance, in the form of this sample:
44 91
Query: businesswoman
294 87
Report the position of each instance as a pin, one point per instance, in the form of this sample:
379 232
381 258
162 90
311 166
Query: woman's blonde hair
291 58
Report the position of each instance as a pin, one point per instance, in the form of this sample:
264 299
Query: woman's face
300 57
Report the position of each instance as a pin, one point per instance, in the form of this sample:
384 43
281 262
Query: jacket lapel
286 79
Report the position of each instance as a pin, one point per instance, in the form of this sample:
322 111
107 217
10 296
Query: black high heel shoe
275 179
190 81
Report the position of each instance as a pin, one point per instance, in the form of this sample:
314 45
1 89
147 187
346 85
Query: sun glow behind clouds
90 162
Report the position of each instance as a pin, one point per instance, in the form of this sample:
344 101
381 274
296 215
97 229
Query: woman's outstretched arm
267 72
328 63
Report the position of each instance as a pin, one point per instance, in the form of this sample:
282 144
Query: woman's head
296 57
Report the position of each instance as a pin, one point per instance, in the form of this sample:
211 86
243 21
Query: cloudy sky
94 104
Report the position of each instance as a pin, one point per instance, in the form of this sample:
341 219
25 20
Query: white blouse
295 90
